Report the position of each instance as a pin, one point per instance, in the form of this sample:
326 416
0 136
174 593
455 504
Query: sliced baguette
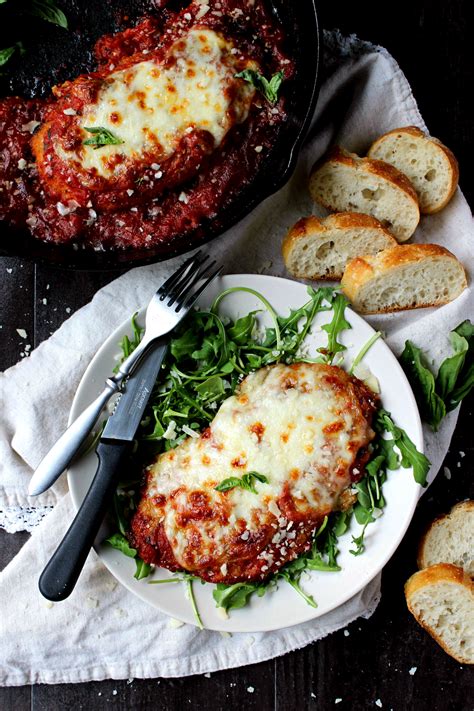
428 164
343 182
408 276
450 539
441 598
320 249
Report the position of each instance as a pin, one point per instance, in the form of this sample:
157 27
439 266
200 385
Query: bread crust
362 269
417 133
312 225
383 170
439 573
461 506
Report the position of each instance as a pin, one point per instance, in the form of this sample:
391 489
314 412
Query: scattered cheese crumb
175 624
313 696
378 703
21 332
92 602
225 634
462 454
250 689
114 692
130 192
447 472
68 309
337 701
22 164
70 112
222 613
45 301
191 433
258 149
412 671
207 675
30 126
48 604
346 633
170 432
9 271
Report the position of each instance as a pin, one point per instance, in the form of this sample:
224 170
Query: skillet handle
59 578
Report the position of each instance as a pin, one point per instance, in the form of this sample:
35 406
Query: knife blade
61 573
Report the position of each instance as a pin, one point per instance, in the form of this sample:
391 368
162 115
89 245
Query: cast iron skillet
63 55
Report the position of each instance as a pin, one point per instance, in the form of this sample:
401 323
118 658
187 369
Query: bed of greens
207 359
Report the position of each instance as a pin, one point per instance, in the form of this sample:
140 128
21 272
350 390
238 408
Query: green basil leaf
422 380
119 542
6 53
246 482
450 368
229 483
47 10
269 88
462 390
101 137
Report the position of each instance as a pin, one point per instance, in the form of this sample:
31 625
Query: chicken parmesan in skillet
244 497
175 121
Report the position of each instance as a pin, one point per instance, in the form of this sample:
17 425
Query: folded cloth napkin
103 631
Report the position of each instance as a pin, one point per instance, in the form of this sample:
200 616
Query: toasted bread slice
430 166
450 539
343 182
441 598
320 249
409 276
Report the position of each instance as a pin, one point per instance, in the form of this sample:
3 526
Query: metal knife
61 573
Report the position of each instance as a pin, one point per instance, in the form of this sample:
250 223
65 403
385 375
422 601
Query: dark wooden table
368 665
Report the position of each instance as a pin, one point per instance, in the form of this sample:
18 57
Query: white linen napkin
103 631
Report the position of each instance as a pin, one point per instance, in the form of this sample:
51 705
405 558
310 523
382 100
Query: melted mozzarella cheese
150 106
291 425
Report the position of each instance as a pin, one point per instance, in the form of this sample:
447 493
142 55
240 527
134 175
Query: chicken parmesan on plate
244 497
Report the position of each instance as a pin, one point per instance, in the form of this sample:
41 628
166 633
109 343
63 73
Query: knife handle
59 578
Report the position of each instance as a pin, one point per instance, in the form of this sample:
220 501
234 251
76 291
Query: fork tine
185 281
199 274
176 276
191 299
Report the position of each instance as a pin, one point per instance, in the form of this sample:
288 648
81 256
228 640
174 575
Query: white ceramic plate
283 607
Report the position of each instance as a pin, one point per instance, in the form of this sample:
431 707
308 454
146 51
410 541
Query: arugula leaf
269 88
143 569
241 331
410 456
334 328
101 137
47 10
246 482
119 542
236 596
182 346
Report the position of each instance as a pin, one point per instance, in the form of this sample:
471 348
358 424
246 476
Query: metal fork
167 308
